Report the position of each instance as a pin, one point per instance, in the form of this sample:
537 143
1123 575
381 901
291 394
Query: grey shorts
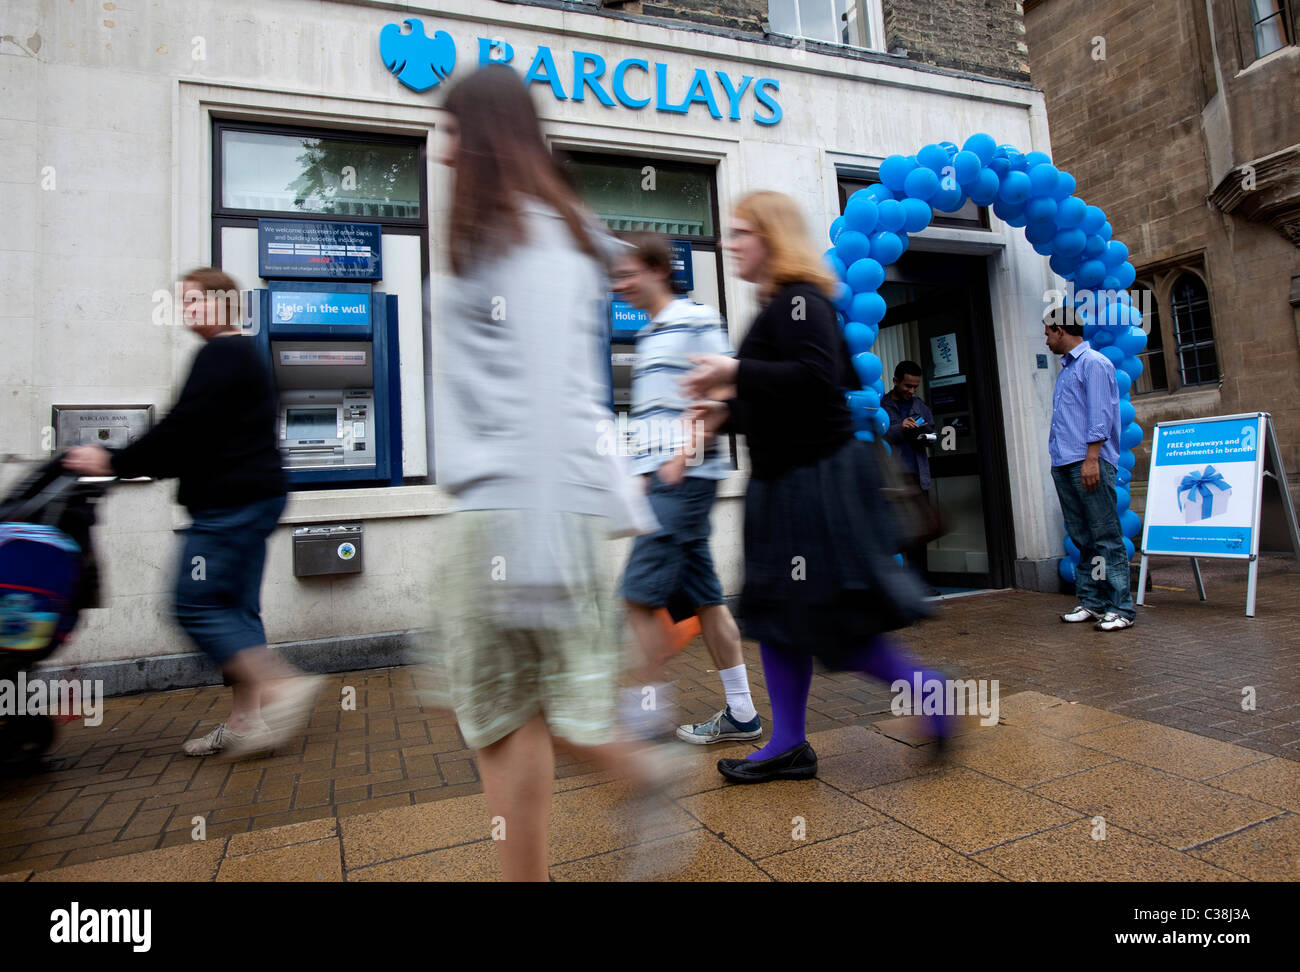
509 640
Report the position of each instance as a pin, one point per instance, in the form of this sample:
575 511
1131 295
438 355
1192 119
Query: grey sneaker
1080 614
721 728
1113 622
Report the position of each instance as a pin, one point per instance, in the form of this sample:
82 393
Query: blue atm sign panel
307 249
319 307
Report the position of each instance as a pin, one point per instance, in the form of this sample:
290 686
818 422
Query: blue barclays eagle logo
417 60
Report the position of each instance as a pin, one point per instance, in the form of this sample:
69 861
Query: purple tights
789 675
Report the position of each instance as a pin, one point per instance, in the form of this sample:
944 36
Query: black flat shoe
799 763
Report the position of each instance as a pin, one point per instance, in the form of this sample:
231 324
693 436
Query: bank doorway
938 317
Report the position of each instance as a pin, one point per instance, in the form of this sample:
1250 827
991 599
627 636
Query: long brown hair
502 153
791 256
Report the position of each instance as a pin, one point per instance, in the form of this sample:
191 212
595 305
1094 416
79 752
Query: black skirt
820 570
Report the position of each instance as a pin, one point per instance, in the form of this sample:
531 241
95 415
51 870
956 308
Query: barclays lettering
420 62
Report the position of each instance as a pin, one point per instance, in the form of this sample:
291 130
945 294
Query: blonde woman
820 575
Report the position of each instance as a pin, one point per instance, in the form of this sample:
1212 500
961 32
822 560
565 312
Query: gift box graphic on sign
1202 495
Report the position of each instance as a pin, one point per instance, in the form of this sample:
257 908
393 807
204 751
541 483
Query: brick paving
123 787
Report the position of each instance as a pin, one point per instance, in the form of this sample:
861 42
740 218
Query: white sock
735 683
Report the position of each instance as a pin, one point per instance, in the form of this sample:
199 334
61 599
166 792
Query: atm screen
311 423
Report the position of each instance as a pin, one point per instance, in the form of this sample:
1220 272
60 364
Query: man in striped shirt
681 484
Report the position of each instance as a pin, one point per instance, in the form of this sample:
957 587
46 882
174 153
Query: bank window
634 195
854 23
1153 377
1189 305
318 174
1268 25
970 216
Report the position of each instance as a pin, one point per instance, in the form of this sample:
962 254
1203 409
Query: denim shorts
218 596
676 558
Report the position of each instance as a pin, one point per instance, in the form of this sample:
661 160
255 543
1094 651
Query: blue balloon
1129 548
1131 340
1041 210
1091 273
1015 188
1017 221
843 295
1124 382
1037 231
837 227
1070 212
1116 253
890 215
1102 338
885 248
1113 354
865 275
868 367
866 435
1093 217
967 167
894 170
1065 567
921 183
869 308
1130 523
858 337
1106 231
1127 459
1037 158
1122 499
985 189
982 145
836 263
1125 276
878 385
860 212
852 246
1071 549
882 421
1062 264
1042 179
1046 248
1071 242
1132 367
1065 186
1000 165
917 215
933 158
870 399
879 192
1131 436
1127 413
1094 247
948 200
904 241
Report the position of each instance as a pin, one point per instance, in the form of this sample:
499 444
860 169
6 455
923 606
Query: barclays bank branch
294 145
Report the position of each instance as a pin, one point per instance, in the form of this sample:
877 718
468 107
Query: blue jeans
1093 525
217 599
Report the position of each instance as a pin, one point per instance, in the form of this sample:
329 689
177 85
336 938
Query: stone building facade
1175 117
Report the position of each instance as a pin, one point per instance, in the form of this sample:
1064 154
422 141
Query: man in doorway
676 559
1084 446
910 418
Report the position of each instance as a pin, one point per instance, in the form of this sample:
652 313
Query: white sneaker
1113 622
223 740
1080 613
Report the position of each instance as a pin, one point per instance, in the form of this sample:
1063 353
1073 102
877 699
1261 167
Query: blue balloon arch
1026 191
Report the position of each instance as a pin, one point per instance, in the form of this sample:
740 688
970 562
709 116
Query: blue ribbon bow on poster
1203 495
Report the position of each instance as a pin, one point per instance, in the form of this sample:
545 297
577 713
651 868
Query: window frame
1176 274
221 211
1156 329
871 21
1244 23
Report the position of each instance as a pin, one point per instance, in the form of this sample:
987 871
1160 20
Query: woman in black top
220 441
820 574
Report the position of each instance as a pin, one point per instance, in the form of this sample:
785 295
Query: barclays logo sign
416 59
421 62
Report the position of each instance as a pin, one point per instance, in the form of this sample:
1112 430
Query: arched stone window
1189 305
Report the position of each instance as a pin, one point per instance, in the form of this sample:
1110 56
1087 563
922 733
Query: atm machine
333 354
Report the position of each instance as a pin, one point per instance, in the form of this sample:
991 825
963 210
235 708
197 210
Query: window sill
1195 397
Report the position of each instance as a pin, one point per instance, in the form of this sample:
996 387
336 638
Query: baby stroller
47 576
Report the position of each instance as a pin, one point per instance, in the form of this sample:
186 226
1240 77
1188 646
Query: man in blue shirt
909 418
1084 446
